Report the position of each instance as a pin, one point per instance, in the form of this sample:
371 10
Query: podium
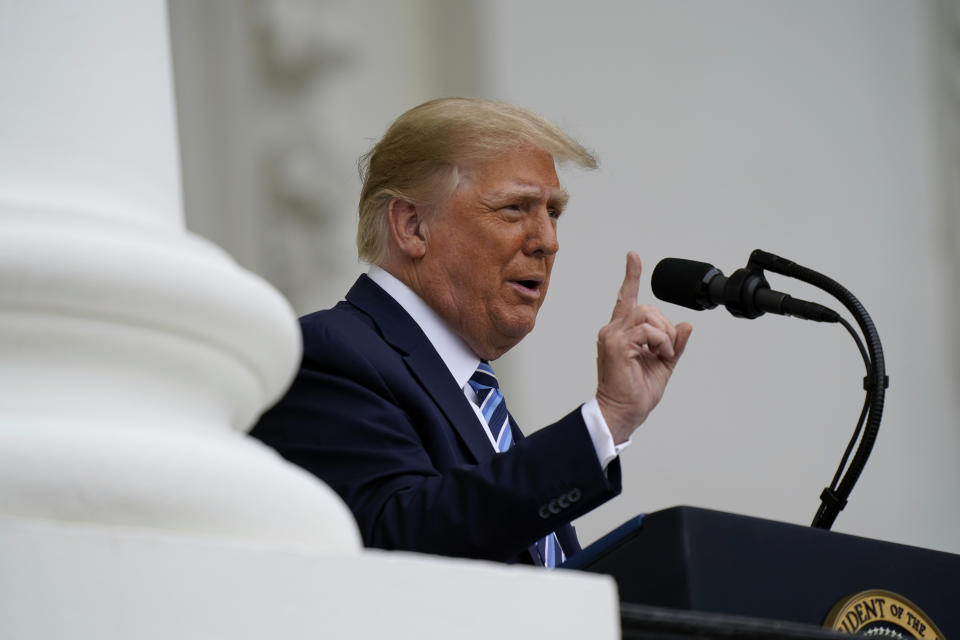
719 563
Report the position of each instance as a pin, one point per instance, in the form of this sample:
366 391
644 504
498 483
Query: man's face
490 249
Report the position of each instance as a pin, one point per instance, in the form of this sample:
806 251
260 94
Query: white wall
805 129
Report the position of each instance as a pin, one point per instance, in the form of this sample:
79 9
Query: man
458 213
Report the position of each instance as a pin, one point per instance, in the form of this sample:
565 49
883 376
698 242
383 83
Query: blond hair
420 153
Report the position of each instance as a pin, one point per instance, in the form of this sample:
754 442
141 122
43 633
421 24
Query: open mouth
528 287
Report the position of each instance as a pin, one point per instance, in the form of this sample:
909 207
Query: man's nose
542 234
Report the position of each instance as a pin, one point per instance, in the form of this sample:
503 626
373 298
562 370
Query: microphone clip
740 292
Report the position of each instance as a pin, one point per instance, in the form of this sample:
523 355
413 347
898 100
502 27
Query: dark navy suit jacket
376 414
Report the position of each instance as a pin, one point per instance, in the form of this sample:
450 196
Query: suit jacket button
574 494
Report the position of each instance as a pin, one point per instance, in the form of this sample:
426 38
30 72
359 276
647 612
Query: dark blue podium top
697 559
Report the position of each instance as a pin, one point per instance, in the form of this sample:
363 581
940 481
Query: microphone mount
742 290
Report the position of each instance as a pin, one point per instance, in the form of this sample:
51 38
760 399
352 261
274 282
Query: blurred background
828 133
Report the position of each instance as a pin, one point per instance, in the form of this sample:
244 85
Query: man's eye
554 213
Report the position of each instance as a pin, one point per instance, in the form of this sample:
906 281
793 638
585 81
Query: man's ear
408 227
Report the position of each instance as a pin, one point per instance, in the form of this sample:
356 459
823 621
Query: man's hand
636 354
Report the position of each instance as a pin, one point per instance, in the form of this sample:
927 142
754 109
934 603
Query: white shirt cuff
600 434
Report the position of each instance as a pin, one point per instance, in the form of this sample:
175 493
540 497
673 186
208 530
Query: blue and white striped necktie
494 409
492 405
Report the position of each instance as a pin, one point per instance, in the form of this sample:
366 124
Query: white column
133 356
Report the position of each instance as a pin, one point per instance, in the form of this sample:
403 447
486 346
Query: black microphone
745 294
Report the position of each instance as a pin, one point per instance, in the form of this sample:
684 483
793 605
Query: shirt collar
459 358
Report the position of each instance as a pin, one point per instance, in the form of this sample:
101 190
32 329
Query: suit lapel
404 335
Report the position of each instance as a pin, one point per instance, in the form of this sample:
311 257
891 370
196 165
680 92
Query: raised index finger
627 296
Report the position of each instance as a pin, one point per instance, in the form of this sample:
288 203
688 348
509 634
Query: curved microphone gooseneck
746 294
834 497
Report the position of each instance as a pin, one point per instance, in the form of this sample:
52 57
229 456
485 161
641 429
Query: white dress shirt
462 362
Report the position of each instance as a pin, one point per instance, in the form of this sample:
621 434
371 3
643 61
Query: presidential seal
881 614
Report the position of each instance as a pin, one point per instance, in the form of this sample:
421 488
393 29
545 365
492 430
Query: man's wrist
600 434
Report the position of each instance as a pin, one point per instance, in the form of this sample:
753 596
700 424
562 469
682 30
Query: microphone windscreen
683 282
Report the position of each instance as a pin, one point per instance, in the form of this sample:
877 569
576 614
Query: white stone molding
90 584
